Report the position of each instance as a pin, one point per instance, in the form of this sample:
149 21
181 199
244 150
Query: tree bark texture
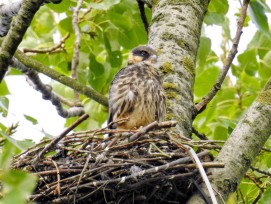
16 32
175 33
241 148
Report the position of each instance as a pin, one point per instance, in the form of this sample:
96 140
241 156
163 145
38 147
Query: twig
229 60
58 188
143 15
203 175
266 149
75 58
74 84
51 49
204 164
81 176
260 171
143 172
150 127
199 135
34 80
57 139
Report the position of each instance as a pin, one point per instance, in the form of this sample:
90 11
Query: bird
136 92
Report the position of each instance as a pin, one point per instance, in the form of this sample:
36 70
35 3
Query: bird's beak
131 59
153 58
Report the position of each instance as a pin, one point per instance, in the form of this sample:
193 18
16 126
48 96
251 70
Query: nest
145 165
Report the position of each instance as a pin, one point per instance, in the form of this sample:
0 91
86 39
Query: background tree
91 43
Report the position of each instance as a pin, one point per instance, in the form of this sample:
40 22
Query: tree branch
7 12
141 7
46 91
244 144
206 99
16 33
60 137
55 48
76 50
74 84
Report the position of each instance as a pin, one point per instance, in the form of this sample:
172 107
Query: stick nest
86 167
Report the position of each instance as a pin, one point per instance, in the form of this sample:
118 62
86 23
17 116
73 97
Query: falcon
136 92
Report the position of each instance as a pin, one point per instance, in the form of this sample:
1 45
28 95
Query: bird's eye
143 53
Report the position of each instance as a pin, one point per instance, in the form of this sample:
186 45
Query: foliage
109 30
250 72
15 185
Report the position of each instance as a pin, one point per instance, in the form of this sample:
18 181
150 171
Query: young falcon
136 92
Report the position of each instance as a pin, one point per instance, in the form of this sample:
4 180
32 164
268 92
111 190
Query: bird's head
142 53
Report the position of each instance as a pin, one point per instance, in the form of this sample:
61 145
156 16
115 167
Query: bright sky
25 100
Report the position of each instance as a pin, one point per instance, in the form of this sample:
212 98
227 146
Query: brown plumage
136 91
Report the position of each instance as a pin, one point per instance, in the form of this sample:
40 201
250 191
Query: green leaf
203 52
31 119
220 133
217 10
205 80
4 105
266 197
265 68
107 44
104 5
219 6
248 63
3 88
61 7
214 18
95 76
66 24
115 58
261 43
18 185
258 17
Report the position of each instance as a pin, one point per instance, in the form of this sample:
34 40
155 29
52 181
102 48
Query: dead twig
56 48
75 59
60 137
150 127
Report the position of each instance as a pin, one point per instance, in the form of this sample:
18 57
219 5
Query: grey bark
16 33
175 33
241 148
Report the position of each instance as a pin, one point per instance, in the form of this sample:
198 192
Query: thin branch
199 135
7 12
46 91
260 171
150 127
53 49
229 60
74 84
75 59
16 33
141 6
60 137
144 172
58 188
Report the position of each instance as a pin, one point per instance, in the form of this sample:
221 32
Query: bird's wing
122 95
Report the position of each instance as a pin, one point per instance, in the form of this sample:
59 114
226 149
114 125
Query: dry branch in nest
145 165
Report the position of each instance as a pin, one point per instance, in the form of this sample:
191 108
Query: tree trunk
175 34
